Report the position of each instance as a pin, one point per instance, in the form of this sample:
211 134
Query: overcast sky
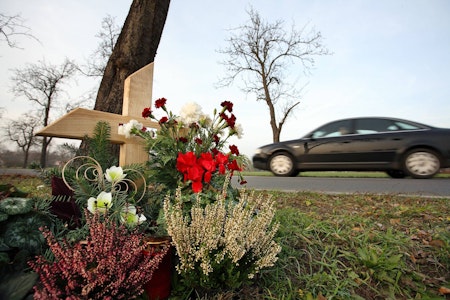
390 57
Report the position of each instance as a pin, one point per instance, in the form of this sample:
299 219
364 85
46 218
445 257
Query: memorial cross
81 122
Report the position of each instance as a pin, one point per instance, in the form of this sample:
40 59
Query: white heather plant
223 245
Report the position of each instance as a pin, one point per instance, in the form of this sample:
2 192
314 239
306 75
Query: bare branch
261 55
11 27
108 35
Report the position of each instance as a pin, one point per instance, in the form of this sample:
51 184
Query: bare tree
108 36
22 132
11 27
42 84
261 55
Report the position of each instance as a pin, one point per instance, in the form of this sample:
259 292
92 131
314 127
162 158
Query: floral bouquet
223 238
190 149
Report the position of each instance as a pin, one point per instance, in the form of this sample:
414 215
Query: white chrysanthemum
127 127
130 217
239 130
190 113
101 204
114 174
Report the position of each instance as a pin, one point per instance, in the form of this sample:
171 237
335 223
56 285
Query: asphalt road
436 187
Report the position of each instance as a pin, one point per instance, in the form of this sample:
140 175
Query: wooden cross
81 122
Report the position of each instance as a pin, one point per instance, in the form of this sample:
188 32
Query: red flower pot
159 286
66 209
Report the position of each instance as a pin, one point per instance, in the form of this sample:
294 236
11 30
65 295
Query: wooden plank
80 122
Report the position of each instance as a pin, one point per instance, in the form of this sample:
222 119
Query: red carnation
234 149
161 102
227 105
183 140
231 121
163 120
233 166
216 139
147 112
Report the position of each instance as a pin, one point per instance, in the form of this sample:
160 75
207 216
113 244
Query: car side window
368 126
338 128
406 126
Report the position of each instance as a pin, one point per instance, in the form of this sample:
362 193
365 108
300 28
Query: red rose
161 102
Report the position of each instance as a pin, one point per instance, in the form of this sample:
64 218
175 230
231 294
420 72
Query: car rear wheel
422 163
396 173
282 164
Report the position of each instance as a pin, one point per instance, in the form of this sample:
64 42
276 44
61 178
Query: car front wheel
422 163
282 164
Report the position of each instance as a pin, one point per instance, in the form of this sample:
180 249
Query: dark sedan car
398 147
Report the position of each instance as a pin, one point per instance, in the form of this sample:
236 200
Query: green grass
358 246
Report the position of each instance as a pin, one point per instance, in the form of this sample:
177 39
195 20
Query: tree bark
135 48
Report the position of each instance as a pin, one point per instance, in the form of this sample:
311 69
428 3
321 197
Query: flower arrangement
222 237
189 149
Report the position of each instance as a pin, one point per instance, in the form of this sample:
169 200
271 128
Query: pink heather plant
112 264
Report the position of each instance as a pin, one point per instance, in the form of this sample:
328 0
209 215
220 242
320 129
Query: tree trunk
135 48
